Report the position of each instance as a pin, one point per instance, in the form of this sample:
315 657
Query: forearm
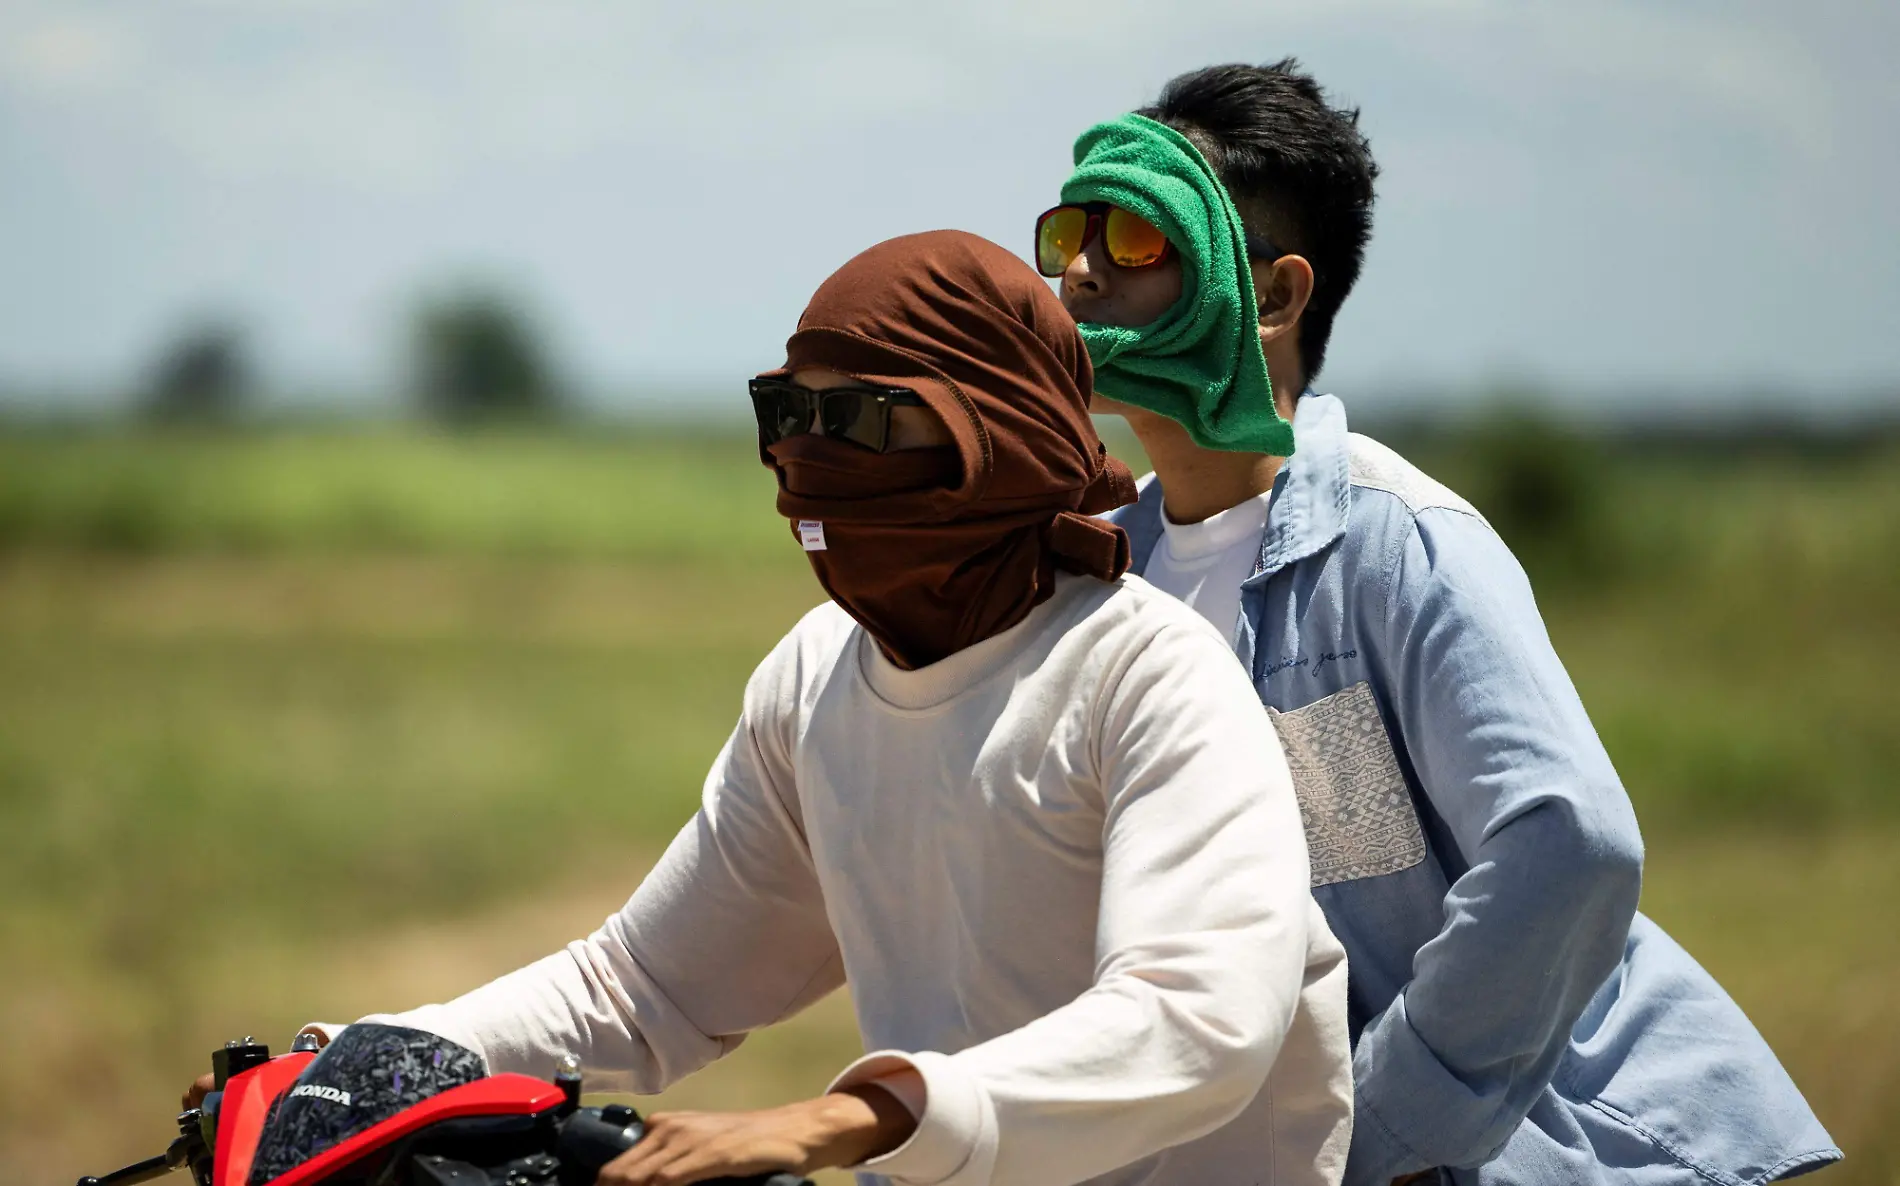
1095 1085
1447 1072
623 1027
838 1129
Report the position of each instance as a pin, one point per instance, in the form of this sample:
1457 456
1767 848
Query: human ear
1282 288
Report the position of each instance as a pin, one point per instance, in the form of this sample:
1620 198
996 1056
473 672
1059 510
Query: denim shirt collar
1312 494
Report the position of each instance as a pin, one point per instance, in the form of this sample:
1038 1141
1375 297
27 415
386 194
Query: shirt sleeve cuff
907 1087
1378 1157
955 1140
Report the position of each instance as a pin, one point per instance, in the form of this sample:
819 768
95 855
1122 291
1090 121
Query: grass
661 498
208 755
259 762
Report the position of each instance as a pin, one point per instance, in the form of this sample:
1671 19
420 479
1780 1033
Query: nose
1086 277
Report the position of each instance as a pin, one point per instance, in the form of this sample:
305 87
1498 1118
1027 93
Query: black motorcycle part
193 1146
592 1137
188 1148
142 1171
235 1058
534 1170
484 1142
440 1171
367 1075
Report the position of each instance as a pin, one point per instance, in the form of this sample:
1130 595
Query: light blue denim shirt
1514 1019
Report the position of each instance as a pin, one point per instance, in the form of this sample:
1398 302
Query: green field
304 724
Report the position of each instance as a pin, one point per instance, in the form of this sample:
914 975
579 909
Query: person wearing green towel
1514 1018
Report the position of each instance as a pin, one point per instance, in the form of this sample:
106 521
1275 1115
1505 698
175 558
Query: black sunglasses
860 413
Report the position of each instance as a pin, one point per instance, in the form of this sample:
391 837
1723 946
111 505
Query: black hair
1299 170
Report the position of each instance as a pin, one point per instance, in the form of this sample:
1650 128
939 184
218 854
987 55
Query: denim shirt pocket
1358 811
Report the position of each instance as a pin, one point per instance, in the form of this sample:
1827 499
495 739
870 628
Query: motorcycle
388 1106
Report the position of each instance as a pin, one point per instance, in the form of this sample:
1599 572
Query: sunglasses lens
855 416
782 410
1059 239
1132 241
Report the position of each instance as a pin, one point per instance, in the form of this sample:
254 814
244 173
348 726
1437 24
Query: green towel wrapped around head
1200 363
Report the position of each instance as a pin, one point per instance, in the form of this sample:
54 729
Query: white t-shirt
1204 563
1063 871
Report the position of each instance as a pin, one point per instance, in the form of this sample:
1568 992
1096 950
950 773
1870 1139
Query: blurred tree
478 357
203 375
1541 484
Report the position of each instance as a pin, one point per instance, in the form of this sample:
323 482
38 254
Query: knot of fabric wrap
1090 547
1114 486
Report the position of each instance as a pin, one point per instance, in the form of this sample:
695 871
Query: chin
1101 405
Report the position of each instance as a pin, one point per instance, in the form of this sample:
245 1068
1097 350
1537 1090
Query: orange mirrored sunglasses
1066 231
1131 240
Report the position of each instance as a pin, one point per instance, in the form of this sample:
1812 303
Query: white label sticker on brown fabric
1359 817
811 533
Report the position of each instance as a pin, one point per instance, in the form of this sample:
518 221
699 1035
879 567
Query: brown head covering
933 550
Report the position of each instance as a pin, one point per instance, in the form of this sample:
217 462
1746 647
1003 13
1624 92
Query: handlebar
188 1149
138 1171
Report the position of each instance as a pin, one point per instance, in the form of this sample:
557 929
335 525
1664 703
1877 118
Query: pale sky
1595 196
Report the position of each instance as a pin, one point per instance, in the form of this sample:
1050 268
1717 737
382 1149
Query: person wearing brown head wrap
1026 805
935 548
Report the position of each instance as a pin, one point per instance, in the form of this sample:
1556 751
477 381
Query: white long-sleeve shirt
1063 871
1204 563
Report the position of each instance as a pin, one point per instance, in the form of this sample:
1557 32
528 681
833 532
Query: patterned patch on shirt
1358 812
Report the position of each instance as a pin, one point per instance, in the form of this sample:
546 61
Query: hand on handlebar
840 1129
195 1095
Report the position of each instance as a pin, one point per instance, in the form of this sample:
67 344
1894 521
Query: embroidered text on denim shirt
1310 666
